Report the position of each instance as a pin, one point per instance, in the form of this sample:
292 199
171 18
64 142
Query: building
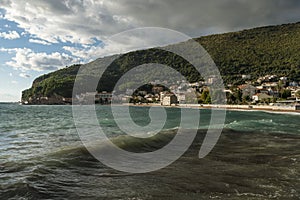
267 78
67 100
122 98
89 97
261 89
247 89
142 92
283 79
293 84
289 102
150 98
103 97
168 98
95 97
270 85
157 89
261 97
181 97
211 80
129 91
246 76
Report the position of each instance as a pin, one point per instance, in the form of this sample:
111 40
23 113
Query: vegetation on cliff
256 52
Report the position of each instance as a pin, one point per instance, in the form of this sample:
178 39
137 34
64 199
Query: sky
41 36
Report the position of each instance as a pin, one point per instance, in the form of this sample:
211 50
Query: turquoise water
42 157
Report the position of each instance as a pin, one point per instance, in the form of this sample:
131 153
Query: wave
158 141
137 145
238 157
283 113
266 111
76 152
259 125
260 121
126 142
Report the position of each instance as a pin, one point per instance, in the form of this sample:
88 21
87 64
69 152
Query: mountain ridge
256 52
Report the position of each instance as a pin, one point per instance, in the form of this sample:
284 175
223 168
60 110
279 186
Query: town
268 90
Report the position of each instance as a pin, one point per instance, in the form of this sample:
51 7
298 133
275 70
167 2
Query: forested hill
259 51
256 52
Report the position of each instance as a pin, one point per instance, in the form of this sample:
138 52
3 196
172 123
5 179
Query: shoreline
273 109
265 108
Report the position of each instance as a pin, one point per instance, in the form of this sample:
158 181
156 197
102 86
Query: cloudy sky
40 36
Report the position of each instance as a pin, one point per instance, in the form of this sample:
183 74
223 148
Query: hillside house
261 97
247 89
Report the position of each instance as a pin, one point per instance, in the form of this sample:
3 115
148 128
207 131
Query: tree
285 93
205 96
297 94
238 96
251 52
230 98
190 97
208 100
246 99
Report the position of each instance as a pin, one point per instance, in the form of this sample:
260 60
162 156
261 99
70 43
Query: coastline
266 108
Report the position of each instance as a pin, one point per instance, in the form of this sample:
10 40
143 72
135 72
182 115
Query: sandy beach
227 107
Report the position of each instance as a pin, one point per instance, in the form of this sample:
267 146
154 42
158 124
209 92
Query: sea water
42 157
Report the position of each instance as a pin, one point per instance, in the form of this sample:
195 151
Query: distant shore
227 107
212 106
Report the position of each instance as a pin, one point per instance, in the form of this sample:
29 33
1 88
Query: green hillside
257 52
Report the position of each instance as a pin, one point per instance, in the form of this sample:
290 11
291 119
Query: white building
244 76
167 98
284 79
181 97
260 97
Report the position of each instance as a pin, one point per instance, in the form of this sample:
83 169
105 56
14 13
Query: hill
256 52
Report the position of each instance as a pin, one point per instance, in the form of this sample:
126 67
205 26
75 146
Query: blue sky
39 36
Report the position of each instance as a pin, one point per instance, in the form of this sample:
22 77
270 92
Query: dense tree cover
256 52
59 82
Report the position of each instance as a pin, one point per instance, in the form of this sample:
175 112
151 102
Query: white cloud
26 59
10 35
39 42
66 21
127 41
14 82
23 75
10 51
86 21
10 74
82 21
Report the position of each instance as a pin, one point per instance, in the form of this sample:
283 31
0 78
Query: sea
42 157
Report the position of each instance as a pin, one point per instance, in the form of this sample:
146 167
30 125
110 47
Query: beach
226 107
